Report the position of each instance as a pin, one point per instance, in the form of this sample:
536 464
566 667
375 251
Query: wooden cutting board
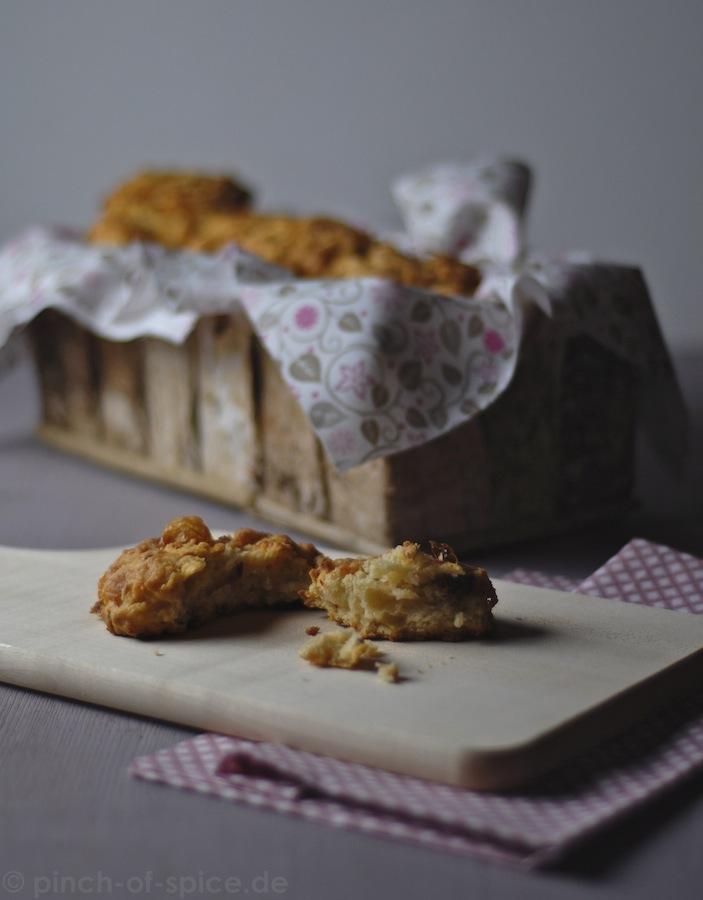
562 672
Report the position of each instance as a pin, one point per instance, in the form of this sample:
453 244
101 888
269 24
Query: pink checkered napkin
651 574
529 827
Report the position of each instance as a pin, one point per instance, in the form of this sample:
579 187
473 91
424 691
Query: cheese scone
166 206
405 594
186 577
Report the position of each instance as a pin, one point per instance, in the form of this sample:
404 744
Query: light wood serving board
562 672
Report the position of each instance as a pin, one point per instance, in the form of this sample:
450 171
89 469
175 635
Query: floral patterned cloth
472 210
379 367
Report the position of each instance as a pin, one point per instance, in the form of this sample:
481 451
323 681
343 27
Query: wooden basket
214 416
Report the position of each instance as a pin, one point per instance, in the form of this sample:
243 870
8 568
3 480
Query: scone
437 274
317 247
405 594
307 246
186 577
166 206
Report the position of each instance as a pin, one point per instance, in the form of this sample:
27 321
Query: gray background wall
319 103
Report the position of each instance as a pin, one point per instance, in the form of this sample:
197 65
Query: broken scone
405 594
186 577
338 649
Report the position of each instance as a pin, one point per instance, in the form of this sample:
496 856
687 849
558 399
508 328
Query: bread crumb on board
387 672
338 649
312 630
345 650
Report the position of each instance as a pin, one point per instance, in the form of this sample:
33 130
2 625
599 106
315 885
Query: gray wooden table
72 823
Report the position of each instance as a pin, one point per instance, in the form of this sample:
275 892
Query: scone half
187 577
405 594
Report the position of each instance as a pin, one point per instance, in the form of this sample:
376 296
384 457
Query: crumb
338 649
159 653
312 630
387 672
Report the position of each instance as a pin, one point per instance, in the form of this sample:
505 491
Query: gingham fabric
542 579
652 574
527 827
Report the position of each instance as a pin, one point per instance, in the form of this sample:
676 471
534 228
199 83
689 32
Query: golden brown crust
184 210
185 577
405 594
307 246
438 274
166 206
116 231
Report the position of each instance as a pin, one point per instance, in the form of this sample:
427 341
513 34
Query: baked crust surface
166 206
405 594
186 577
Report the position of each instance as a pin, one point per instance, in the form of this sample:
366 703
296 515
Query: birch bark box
214 415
